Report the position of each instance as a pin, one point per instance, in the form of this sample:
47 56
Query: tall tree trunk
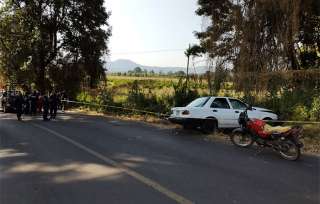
292 57
41 85
209 80
188 71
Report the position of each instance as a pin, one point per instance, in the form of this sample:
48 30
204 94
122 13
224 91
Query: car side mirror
249 107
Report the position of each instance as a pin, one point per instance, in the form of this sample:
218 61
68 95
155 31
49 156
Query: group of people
37 103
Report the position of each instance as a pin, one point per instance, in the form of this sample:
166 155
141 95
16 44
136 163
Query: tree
151 72
180 73
256 36
137 70
51 30
195 51
85 38
15 46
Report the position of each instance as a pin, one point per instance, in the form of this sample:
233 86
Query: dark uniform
33 102
53 105
19 105
27 104
45 108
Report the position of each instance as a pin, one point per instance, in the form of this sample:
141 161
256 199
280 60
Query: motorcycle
283 140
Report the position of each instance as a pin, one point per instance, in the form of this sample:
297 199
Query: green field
160 86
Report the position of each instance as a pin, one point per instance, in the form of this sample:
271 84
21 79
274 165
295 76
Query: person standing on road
39 103
33 101
45 108
63 99
53 105
27 103
19 105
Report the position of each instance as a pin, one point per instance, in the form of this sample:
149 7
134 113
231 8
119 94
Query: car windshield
199 102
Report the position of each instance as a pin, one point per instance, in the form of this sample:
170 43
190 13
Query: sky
140 26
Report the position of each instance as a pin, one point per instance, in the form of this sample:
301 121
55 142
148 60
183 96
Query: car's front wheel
209 126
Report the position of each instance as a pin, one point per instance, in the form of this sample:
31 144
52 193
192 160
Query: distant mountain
125 65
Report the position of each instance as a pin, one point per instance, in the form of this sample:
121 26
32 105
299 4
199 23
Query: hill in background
125 65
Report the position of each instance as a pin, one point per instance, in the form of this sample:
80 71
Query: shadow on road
35 168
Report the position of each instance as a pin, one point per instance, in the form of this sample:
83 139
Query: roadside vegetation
159 94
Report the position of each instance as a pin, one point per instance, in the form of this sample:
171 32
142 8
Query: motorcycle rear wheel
290 151
241 139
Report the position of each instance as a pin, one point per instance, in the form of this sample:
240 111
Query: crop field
160 86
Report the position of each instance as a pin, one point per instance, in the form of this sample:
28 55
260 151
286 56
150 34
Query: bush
148 102
183 94
288 104
136 98
85 97
300 112
105 98
315 109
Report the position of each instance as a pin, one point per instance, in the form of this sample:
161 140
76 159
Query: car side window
220 103
236 104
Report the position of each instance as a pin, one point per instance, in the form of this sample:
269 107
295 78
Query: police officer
53 105
45 108
33 101
27 103
19 105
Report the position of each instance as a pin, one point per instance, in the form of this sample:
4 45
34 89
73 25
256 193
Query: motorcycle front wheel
241 139
290 150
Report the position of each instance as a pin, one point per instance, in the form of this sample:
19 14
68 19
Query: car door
222 111
238 107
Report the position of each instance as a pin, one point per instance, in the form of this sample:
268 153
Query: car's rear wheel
209 126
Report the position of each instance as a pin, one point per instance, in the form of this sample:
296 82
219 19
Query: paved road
85 159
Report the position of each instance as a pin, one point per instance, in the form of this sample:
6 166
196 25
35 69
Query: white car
211 113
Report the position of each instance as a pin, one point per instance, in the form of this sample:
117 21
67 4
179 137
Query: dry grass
311 138
219 136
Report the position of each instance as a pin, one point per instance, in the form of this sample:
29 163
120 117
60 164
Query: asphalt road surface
80 159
